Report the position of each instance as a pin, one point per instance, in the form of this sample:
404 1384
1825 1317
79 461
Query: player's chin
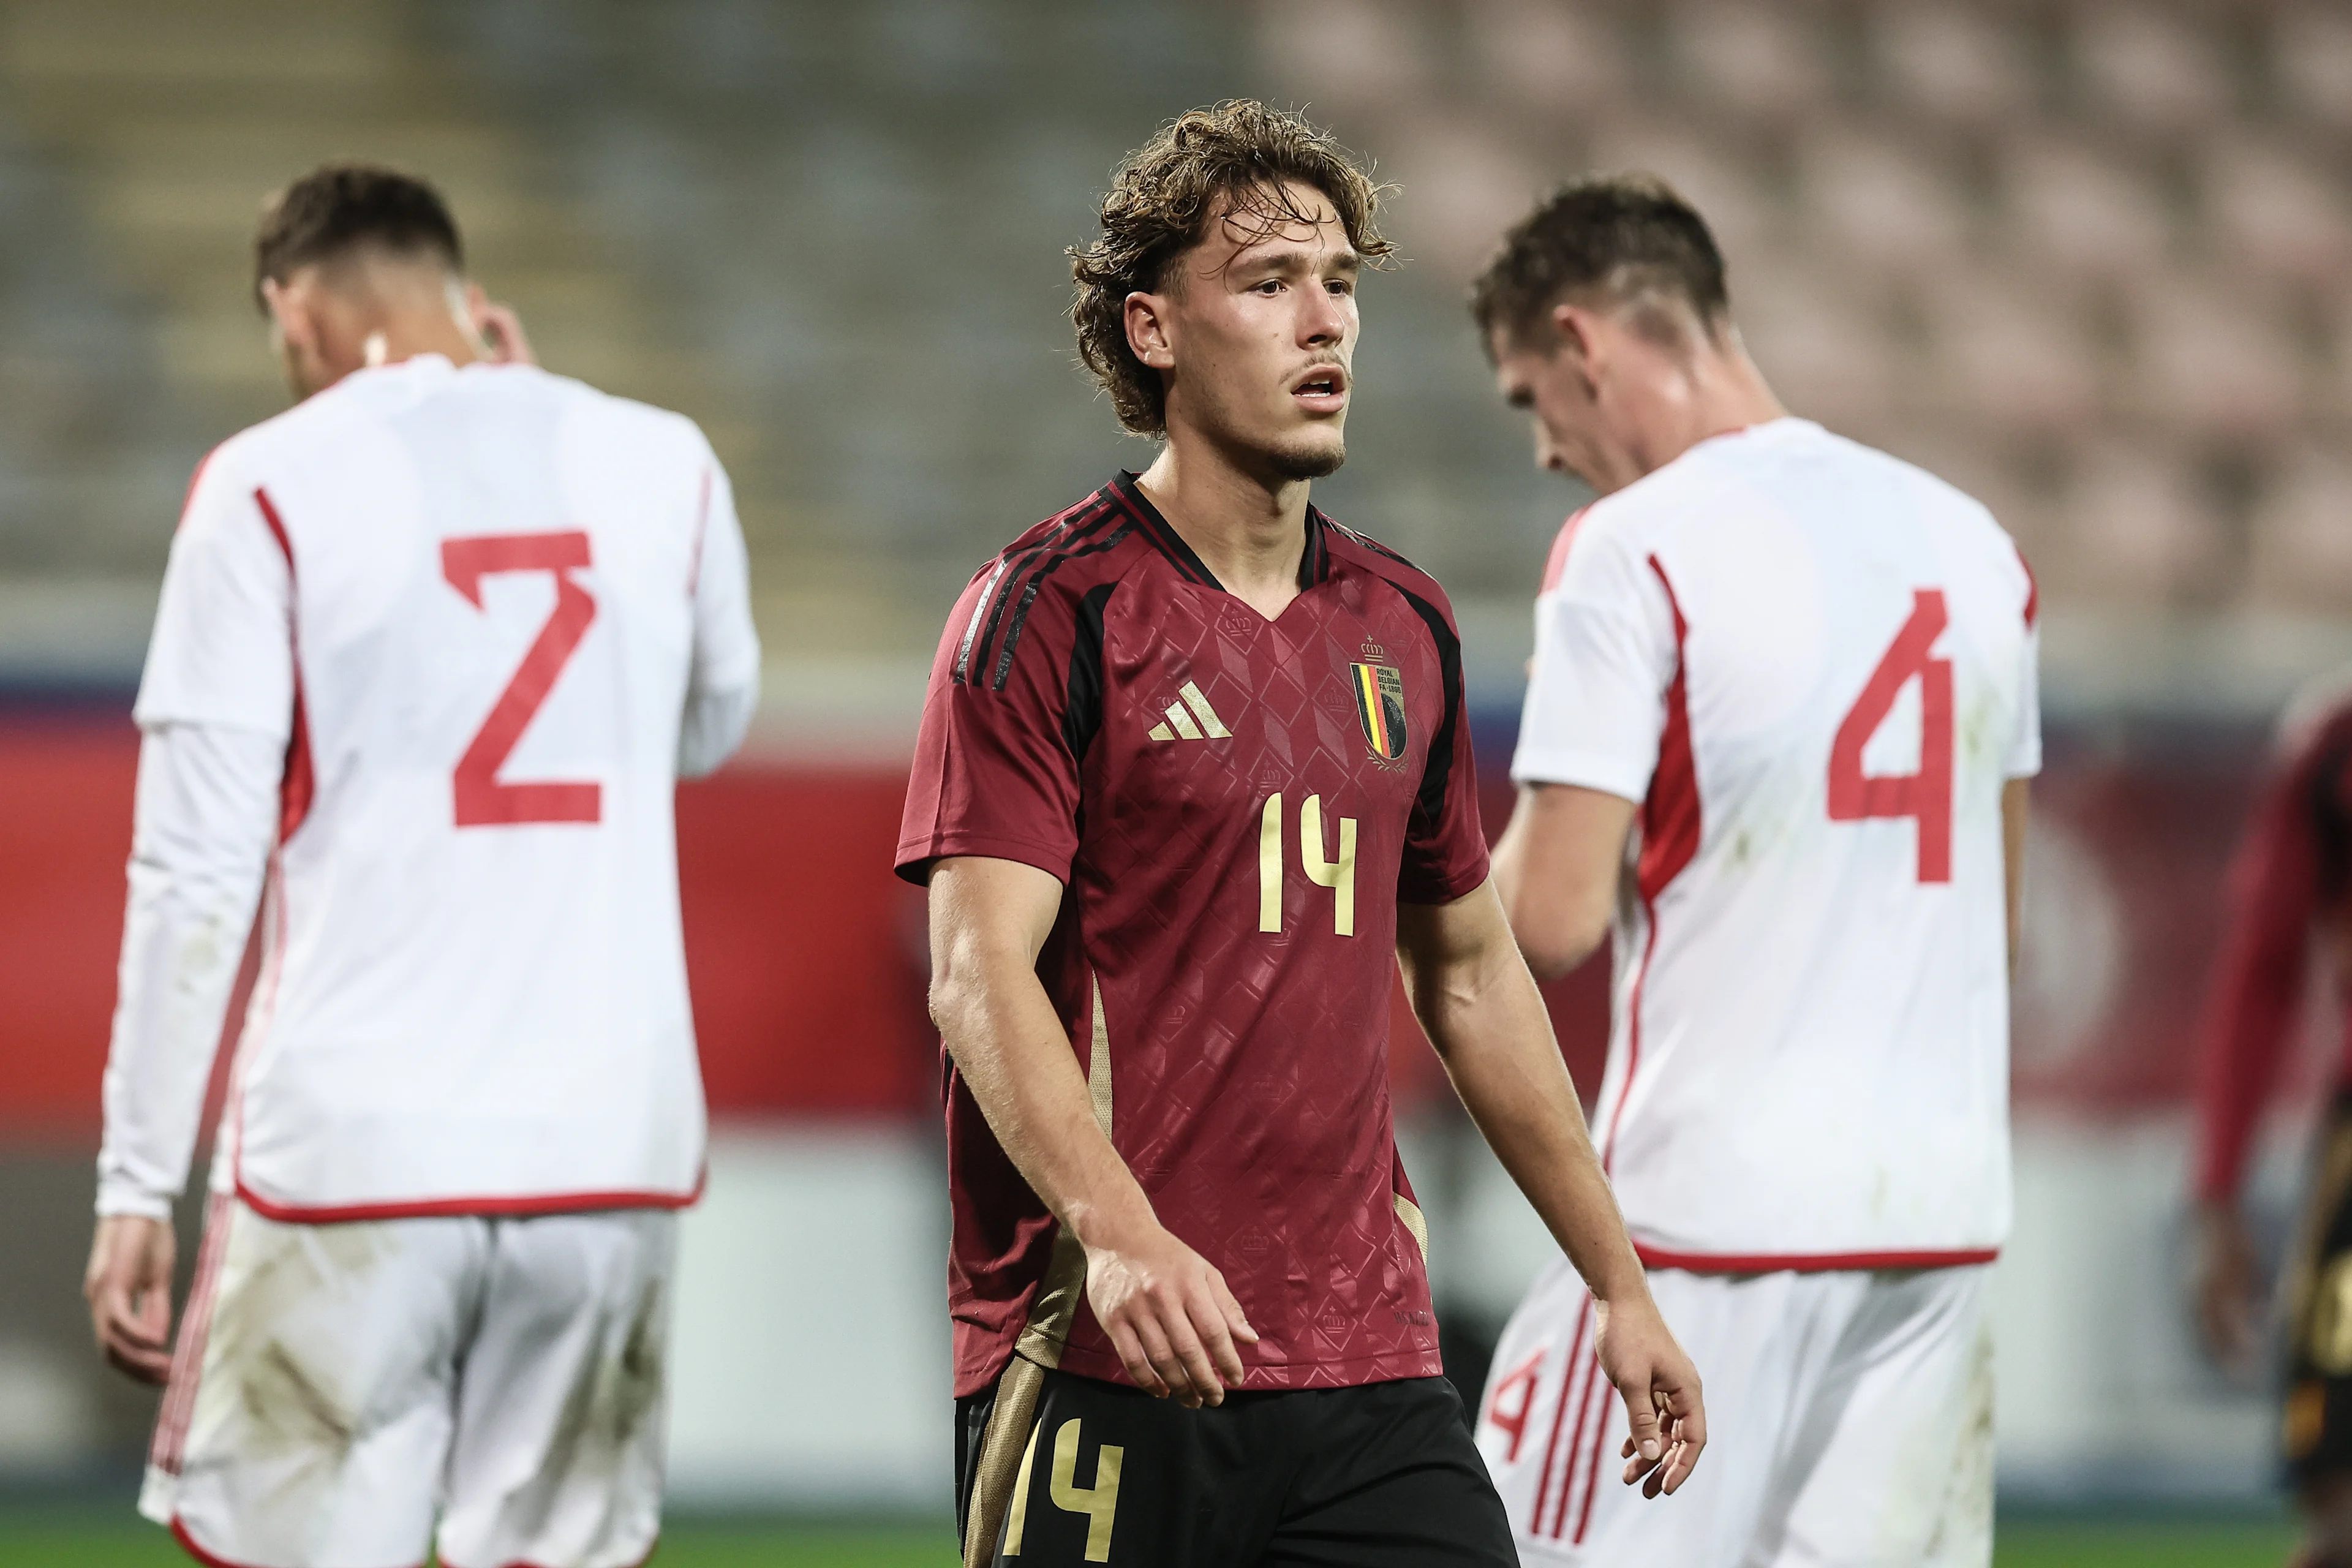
1310 454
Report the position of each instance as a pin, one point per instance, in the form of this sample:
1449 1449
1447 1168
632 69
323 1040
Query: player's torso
1243 814
1821 951
477 893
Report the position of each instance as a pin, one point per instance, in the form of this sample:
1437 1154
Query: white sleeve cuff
1586 770
116 1197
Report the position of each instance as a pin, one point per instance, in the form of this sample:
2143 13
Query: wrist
1111 1221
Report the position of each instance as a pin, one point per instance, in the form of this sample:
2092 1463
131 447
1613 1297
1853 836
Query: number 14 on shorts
1098 1503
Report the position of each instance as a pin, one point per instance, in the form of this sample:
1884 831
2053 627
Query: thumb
1642 1416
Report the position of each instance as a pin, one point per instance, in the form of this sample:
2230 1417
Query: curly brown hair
1236 156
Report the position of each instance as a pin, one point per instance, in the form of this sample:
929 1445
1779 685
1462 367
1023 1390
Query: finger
145 1365
1172 1376
1641 1417
1194 1357
1216 1328
1237 1321
1132 1357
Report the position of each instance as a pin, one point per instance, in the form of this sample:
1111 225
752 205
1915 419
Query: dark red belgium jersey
1234 806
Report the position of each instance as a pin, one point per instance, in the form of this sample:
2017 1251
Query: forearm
1489 1025
205 814
1015 1058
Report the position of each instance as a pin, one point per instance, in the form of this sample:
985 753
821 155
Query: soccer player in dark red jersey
2293 880
1194 775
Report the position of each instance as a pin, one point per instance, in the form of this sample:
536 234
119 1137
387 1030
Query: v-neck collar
1314 560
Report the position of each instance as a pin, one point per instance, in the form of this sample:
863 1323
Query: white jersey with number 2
484 616
1813 667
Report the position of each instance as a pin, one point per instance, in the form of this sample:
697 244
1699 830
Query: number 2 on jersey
482 801
1925 796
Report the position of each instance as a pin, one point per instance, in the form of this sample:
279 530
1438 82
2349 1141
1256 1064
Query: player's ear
1584 336
1147 331
294 323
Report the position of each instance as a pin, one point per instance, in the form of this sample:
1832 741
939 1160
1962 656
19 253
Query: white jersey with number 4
1813 667
485 615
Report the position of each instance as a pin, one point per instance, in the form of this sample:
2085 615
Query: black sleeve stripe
1029 596
1437 775
989 613
961 673
1082 715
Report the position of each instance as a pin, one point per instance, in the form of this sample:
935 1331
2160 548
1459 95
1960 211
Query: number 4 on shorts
1925 796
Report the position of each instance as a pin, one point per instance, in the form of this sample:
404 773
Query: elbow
1556 941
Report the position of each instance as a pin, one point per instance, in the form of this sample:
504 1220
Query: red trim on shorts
188 1544
1583 1418
1592 1466
1559 1418
169 1444
485 1209
1809 1262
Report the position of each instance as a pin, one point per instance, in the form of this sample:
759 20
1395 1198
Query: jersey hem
508 1207
1811 1262
916 856
1265 1376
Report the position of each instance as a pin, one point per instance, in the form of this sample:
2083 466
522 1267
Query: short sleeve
1444 853
994 770
223 647
1605 653
2024 759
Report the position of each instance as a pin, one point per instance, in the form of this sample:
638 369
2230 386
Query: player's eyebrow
1296 260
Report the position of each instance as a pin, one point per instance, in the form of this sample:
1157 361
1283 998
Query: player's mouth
1322 390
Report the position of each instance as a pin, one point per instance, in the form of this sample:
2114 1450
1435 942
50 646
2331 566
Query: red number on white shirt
482 801
1927 796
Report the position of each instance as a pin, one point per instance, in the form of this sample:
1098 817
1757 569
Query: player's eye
1270 288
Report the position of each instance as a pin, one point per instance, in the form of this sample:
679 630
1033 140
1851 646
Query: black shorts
2315 1435
1382 1474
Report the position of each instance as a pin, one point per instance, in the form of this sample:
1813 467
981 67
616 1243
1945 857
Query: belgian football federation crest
1380 707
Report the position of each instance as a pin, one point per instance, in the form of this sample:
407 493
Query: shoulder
1369 555
1963 526
1040 583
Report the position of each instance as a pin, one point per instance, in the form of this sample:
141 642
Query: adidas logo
1181 724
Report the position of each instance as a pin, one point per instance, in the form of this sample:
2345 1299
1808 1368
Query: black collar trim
1314 562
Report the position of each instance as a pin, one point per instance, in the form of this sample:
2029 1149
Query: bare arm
1167 1313
1557 870
1478 1002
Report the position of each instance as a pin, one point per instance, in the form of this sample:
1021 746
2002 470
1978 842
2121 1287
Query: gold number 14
1339 874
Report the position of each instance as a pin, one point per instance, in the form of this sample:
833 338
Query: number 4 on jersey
482 801
1927 796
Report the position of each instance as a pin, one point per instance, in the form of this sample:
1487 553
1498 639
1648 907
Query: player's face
1257 333
1563 405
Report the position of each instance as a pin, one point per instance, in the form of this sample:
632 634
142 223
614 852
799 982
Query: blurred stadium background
2087 258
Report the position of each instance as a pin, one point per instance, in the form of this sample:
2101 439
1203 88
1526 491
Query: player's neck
1249 532
1724 393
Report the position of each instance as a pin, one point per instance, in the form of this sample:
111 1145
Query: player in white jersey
434 646
1779 721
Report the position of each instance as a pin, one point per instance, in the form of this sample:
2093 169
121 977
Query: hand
1169 1317
503 341
1660 1387
129 1287
2228 1288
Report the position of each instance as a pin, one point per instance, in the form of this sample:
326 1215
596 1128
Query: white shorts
337 1388
1849 1424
